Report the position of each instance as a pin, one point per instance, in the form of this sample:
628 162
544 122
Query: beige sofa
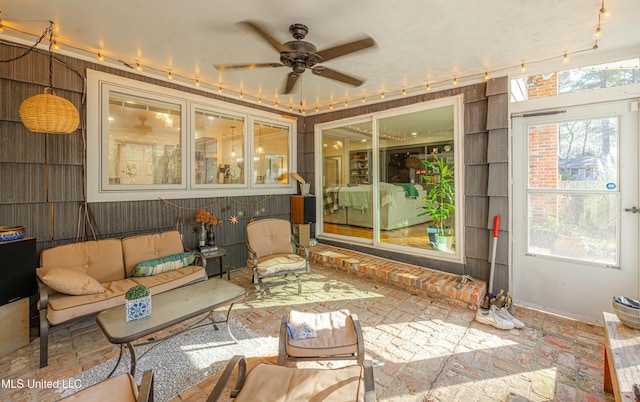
95 275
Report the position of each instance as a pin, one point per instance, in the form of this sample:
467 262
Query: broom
490 296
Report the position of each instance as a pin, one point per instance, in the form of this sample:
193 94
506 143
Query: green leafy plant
137 292
440 200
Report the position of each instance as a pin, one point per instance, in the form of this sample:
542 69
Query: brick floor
424 347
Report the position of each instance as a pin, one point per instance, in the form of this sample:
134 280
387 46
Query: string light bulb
523 68
241 95
219 89
170 75
317 109
486 76
346 103
54 45
428 87
455 80
138 66
598 33
404 92
197 82
275 105
565 58
363 99
331 106
604 11
260 100
100 57
382 95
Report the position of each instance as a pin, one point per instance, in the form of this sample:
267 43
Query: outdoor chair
338 336
271 383
272 252
120 388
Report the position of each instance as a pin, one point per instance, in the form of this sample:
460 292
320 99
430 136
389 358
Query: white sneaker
504 313
491 318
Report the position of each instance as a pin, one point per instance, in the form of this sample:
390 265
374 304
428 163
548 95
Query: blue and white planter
138 308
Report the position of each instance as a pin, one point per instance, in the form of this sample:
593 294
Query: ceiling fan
301 55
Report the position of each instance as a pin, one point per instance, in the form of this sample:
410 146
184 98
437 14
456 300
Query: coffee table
170 308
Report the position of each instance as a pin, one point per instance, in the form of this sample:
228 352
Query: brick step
418 280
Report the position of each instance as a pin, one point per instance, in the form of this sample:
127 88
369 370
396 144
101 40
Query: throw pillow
164 264
69 282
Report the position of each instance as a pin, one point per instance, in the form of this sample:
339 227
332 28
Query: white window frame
98 86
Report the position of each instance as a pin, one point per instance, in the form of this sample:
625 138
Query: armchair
119 388
272 252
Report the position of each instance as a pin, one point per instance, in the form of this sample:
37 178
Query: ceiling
417 41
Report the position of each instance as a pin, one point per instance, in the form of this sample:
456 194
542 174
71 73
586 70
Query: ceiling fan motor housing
300 56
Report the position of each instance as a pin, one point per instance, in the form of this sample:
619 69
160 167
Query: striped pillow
164 264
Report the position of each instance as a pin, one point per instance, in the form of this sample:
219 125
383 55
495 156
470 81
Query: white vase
138 308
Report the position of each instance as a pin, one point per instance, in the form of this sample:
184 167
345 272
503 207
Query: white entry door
575 193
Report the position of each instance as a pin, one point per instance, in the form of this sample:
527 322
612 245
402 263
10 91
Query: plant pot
444 243
432 236
138 308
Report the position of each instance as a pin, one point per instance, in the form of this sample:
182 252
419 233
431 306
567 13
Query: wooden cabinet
17 269
359 167
303 209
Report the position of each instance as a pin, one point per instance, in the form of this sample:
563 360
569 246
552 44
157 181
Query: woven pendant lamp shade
49 113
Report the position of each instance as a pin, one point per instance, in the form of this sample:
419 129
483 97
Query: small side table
219 254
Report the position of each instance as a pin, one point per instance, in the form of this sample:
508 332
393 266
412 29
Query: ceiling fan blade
259 29
346 48
292 78
335 75
223 67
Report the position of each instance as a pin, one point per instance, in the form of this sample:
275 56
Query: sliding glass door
390 179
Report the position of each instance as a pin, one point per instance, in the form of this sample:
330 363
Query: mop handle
496 227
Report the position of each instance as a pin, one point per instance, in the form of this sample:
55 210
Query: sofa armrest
145 392
238 361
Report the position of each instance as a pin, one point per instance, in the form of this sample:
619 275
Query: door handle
634 210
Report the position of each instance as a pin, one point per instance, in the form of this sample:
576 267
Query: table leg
118 362
221 266
608 385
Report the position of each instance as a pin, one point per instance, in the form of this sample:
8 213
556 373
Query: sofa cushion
163 264
100 259
148 247
68 281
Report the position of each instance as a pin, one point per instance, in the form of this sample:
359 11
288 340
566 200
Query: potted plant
440 200
138 302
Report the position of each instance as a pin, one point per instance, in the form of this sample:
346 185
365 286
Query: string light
291 108
139 67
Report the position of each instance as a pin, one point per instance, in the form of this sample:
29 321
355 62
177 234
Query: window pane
619 73
573 226
417 199
219 148
144 141
577 155
271 155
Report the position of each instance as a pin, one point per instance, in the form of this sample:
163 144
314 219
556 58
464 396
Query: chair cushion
163 264
280 263
120 388
336 334
270 383
270 236
69 281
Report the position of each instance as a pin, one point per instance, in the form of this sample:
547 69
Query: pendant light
260 150
47 112
233 148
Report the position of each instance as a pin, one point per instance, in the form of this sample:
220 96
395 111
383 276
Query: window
145 141
619 73
379 173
